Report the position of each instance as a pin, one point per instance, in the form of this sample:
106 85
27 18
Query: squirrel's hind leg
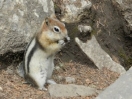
39 79
50 81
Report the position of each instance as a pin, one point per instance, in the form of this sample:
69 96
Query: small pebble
10 70
57 68
1 89
88 81
61 65
60 78
70 79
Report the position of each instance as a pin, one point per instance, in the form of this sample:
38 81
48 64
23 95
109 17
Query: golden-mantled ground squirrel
38 62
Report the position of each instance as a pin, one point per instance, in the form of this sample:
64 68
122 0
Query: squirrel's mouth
66 40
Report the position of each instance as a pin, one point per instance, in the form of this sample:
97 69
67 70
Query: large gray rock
70 90
120 89
100 58
19 20
125 7
72 9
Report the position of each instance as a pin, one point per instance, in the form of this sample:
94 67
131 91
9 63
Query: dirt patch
85 75
11 86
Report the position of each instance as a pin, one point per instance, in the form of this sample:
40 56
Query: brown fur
42 35
56 22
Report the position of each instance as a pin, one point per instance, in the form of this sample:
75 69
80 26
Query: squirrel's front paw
61 42
43 88
68 38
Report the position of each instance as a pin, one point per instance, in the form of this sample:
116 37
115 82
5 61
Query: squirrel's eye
56 29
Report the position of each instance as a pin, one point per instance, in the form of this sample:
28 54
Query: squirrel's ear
53 16
47 21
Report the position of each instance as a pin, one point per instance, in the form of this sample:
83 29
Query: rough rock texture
120 89
19 20
100 58
72 9
125 7
70 90
109 27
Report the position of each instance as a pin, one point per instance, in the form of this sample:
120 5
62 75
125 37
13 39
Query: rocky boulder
70 90
72 10
100 58
125 6
120 89
19 20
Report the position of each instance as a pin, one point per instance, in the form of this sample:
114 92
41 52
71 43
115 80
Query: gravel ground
12 87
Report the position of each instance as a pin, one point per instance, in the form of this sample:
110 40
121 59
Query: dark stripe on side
30 55
25 54
37 44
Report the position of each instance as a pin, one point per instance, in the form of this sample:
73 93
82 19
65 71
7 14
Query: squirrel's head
53 30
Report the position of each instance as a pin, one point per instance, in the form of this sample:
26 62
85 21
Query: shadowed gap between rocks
10 58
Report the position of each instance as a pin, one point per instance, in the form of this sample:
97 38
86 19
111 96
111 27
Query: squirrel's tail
20 69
